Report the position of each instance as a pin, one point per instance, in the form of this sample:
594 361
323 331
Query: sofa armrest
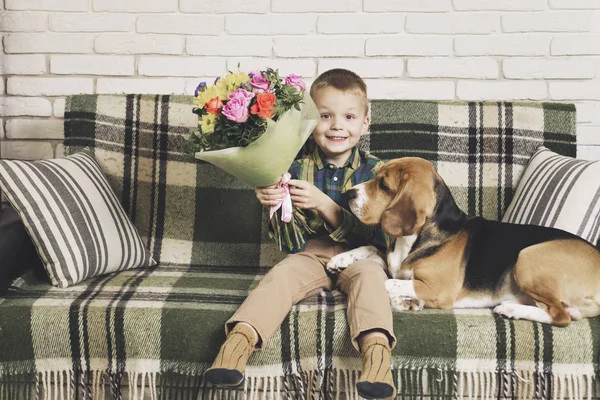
17 252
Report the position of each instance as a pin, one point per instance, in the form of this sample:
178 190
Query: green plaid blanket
152 332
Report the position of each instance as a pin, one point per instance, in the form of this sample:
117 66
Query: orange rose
265 105
214 105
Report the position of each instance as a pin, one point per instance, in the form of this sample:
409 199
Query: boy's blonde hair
344 80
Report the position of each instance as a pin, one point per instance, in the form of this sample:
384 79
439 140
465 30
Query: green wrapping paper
264 161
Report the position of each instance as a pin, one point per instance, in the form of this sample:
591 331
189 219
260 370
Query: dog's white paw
343 260
391 286
402 303
400 287
521 311
402 295
340 262
505 309
574 313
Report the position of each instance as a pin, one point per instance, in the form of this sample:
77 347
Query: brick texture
538 50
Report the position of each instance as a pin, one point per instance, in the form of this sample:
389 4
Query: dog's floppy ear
407 212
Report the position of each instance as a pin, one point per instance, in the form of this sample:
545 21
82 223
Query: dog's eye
383 186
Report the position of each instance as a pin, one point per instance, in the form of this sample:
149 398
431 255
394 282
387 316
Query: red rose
214 105
264 106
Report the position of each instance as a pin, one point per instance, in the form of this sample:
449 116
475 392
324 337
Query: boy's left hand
306 195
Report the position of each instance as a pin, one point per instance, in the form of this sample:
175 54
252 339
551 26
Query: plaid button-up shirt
333 181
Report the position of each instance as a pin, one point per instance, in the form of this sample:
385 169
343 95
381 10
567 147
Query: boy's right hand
269 195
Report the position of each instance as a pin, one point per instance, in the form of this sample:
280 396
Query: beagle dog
444 259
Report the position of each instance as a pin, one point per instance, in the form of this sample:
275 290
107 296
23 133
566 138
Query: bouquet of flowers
252 125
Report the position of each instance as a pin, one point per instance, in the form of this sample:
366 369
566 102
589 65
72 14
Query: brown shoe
228 368
376 381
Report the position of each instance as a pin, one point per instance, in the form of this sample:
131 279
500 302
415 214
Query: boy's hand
269 195
306 195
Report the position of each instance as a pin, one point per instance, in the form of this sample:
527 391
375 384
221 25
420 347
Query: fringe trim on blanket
334 384
443 384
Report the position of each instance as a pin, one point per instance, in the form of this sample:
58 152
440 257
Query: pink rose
296 81
241 92
236 108
259 83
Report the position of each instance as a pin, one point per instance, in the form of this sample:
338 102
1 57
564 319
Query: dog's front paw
403 303
340 262
400 287
402 295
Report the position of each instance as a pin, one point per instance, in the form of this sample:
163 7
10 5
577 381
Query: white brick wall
270 25
543 50
400 45
135 6
23 64
24 21
576 45
536 68
464 67
181 24
453 23
48 5
504 5
40 43
91 22
50 86
566 21
32 106
92 65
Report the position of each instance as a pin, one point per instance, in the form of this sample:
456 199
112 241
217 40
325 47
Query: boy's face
343 121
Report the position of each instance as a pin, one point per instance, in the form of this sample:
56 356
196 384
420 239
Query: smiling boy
317 185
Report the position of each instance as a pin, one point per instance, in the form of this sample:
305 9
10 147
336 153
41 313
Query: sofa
152 332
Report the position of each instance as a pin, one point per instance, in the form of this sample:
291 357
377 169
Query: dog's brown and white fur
444 259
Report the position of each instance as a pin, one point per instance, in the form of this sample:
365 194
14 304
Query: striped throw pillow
560 192
78 226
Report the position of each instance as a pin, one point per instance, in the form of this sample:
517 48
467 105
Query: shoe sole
223 377
374 390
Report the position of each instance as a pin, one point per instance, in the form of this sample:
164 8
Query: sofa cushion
73 217
165 325
560 192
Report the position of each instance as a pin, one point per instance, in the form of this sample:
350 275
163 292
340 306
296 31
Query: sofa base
338 385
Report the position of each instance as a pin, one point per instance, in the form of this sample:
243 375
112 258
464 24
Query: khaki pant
303 274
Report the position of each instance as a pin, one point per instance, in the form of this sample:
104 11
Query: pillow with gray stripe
75 220
560 192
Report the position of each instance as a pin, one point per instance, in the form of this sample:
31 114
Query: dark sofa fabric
17 252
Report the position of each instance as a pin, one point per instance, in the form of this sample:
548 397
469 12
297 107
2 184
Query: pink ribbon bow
286 202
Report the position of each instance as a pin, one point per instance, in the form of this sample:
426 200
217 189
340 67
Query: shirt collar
353 161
